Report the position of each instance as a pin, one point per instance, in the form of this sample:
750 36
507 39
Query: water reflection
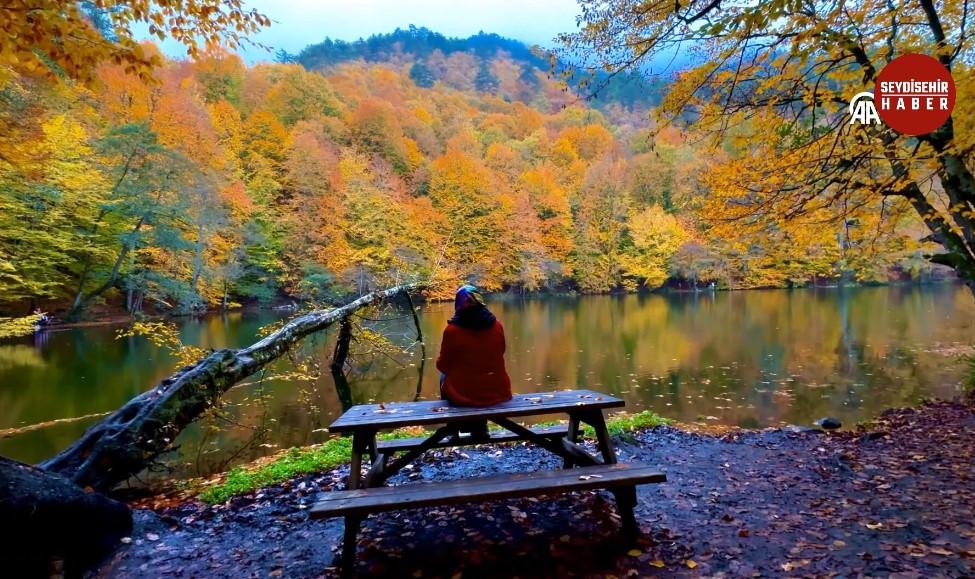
757 358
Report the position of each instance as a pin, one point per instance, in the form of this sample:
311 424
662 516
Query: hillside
225 184
484 62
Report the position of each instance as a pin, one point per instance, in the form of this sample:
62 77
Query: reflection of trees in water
738 346
19 356
342 389
388 338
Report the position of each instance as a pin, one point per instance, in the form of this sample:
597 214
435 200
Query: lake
745 358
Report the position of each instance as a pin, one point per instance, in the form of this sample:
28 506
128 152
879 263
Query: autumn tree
461 188
61 37
140 213
651 238
774 91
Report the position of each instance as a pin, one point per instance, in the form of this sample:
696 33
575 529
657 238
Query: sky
298 23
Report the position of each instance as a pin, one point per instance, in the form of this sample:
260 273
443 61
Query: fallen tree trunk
48 517
129 439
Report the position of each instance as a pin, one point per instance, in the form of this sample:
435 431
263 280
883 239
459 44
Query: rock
792 428
828 423
49 517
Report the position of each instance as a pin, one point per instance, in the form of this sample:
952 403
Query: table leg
562 446
352 524
603 441
363 442
385 470
573 436
625 503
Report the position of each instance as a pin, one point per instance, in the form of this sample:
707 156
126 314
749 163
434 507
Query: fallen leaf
794 565
657 563
126 540
743 533
152 536
634 552
691 564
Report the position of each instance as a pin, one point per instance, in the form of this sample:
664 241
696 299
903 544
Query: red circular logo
914 94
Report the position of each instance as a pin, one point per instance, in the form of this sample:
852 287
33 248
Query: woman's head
467 296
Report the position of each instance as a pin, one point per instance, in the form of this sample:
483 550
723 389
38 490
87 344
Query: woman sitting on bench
472 357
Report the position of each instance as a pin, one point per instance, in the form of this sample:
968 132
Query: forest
355 166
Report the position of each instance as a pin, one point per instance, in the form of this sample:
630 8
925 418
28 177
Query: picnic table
582 470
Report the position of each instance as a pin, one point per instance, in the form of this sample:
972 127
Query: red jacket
473 362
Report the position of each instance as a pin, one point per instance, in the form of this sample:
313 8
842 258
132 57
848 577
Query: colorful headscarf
470 310
467 296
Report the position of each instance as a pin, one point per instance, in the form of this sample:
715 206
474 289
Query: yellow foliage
774 112
14 327
50 35
164 335
656 236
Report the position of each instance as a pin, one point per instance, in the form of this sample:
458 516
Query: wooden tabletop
425 412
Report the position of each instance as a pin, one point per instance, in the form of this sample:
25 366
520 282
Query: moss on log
131 438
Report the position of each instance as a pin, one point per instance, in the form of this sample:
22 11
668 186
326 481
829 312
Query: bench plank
496 436
372 417
362 502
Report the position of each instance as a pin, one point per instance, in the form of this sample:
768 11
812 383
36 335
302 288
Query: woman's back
472 354
473 364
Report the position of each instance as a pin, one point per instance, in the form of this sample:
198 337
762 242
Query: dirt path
898 503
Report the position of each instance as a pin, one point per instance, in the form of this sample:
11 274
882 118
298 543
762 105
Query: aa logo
862 109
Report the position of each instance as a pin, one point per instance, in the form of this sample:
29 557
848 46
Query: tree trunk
129 439
81 303
48 516
198 258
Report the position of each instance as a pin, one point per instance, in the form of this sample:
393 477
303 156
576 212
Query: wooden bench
355 505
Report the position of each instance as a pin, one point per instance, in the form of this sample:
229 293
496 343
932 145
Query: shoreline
119 317
896 498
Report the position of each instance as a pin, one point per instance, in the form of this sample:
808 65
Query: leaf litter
893 502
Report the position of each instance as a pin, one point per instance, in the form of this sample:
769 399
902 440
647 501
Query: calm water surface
757 358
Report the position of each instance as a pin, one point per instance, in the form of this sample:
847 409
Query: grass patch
620 423
968 380
295 462
298 461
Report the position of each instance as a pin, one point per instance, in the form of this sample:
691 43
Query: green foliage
968 382
316 285
618 425
421 75
294 463
485 81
